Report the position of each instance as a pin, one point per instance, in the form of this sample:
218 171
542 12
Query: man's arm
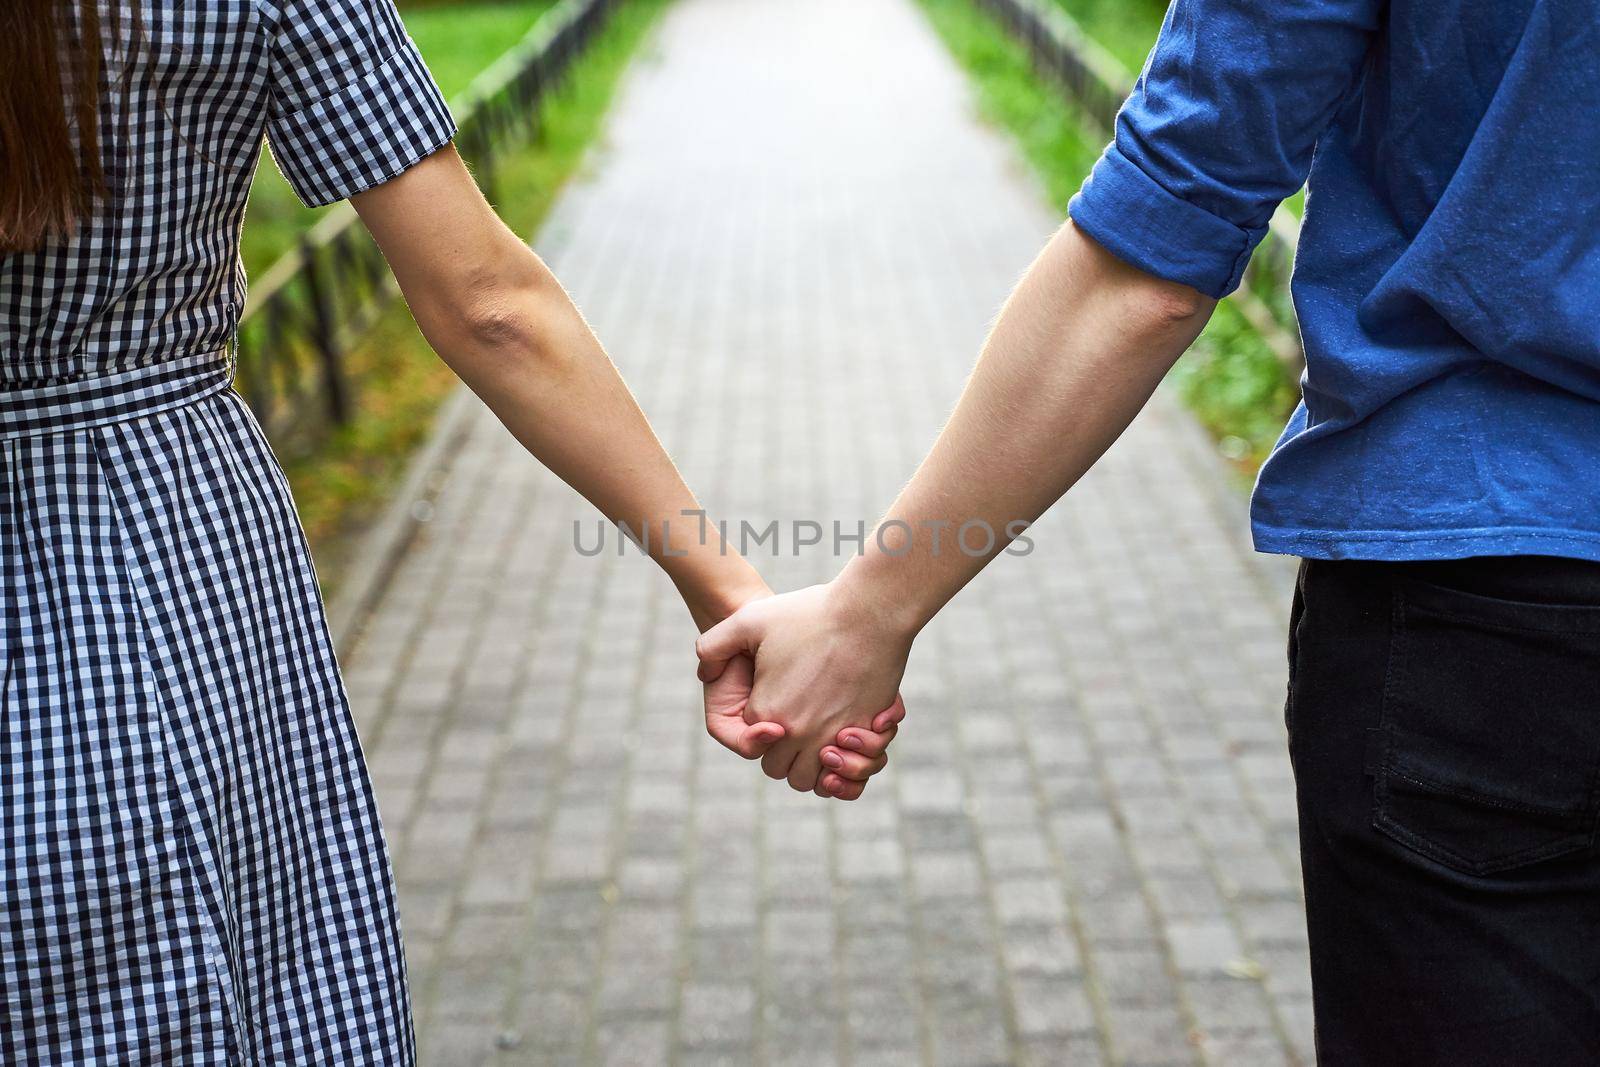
1222 125
1081 345
1076 352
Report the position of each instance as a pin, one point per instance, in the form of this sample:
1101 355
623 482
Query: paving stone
1149 1035
1071 1050
1051 1006
1259 1048
1133 975
717 1015
635 1042
1045 950
943 875
1036 900
1223 1004
1203 946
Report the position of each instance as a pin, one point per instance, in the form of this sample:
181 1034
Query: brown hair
48 181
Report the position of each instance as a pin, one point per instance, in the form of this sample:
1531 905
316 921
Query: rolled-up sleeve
353 104
1220 128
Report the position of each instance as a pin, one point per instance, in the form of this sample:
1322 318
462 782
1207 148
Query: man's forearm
1078 349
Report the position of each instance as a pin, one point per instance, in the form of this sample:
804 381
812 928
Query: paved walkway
1083 850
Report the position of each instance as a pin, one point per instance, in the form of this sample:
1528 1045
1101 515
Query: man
1440 480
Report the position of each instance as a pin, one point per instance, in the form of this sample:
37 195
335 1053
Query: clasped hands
807 682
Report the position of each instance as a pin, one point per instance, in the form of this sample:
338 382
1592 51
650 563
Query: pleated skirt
192 869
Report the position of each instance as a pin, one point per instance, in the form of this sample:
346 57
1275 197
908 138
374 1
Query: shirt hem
1410 545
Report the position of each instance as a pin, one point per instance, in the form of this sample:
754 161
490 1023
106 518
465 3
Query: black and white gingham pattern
346 104
191 865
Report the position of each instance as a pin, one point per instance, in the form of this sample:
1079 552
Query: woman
193 867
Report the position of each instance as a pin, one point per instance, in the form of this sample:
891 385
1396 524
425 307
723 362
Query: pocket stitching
1582 811
1588 613
1384 822
1480 624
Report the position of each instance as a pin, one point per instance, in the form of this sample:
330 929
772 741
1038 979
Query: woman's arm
493 311
497 315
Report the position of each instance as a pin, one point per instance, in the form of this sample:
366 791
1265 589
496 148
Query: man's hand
822 665
856 755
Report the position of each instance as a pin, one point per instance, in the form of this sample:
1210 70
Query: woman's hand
726 698
822 663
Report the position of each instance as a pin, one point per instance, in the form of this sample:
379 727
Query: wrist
724 588
865 595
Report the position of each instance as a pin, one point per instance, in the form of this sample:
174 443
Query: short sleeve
1220 128
352 103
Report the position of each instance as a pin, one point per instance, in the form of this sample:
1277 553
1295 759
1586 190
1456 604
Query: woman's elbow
511 321
498 321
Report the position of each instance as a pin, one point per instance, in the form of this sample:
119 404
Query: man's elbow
1134 296
1172 302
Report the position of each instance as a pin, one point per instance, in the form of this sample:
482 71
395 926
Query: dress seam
179 815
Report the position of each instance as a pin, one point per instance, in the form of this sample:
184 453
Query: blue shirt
1448 274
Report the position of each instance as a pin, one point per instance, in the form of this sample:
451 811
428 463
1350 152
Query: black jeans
1444 724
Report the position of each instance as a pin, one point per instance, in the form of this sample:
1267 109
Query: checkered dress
191 866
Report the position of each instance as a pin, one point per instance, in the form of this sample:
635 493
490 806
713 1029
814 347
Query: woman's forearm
1077 351
545 375
495 313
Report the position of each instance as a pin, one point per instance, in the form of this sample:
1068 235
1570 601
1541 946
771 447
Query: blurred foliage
1230 378
400 382
1049 130
1237 387
1127 28
458 40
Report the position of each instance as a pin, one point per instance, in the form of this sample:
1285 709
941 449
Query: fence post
343 290
325 335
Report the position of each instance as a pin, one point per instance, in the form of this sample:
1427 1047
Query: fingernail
852 741
833 759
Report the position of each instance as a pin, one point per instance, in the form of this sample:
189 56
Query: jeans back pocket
1491 729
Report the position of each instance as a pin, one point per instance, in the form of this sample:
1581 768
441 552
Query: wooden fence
1098 83
310 307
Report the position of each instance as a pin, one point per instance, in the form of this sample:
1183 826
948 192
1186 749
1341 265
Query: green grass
400 382
1127 28
1231 380
1236 386
458 40
1050 132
